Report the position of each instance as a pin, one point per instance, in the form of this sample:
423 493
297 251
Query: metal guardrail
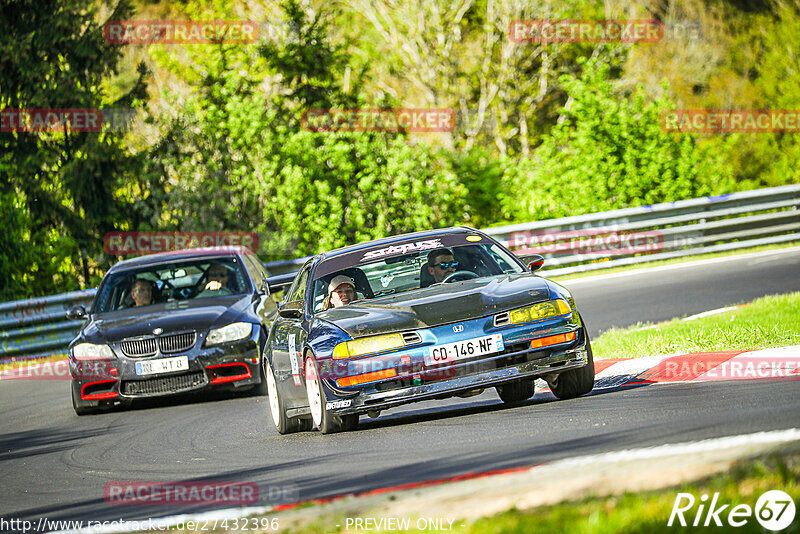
38 327
661 231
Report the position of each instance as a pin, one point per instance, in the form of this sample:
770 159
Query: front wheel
516 391
325 421
575 382
284 424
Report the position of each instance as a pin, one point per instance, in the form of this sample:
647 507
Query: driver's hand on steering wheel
213 285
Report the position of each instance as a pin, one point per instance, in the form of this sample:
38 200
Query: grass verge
650 511
771 321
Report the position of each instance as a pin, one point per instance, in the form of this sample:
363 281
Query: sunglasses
446 265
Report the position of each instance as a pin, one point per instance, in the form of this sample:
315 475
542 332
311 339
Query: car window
252 270
406 272
177 281
298 290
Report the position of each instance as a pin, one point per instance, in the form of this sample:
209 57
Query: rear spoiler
280 281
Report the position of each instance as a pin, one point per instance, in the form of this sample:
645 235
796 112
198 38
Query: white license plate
468 348
166 365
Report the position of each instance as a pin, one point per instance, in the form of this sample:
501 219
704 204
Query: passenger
142 292
441 263
217 286
341 292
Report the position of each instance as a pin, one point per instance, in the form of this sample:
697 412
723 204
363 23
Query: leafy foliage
542 131
610 152
58 188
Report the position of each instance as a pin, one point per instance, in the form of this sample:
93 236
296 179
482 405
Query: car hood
439 304
199 315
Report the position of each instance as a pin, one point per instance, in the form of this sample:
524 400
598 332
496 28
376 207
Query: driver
142 292
217 285
441 263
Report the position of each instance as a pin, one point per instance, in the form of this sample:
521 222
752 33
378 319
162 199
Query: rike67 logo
774 510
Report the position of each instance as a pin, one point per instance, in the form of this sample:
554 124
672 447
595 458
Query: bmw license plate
468 348
165 365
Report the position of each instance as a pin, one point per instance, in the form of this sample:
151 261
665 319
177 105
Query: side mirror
77 313
291 310
534 261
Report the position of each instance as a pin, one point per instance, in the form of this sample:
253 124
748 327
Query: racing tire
321 417
77 403
260 389
516 391
575 382
277 409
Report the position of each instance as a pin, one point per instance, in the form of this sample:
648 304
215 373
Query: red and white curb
765 364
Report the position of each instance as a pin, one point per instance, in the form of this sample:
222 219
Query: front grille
169 344
168 384
176 342
139 347
411 338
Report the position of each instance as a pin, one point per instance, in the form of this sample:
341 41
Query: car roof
396 239
177 255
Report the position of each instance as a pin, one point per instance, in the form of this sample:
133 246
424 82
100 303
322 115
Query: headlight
542 310
231 332
90 351
367 345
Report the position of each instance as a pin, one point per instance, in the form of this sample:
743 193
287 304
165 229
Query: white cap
339 280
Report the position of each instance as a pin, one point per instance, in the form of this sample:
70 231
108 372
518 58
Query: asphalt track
54 464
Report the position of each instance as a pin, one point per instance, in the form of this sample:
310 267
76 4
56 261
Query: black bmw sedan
172 323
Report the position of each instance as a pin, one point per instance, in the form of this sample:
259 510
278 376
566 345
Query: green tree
609 151
241 159
59 189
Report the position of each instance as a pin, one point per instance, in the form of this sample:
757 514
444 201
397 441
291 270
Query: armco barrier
662 231
38 327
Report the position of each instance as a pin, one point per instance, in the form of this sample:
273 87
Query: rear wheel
516 391
575 382
284 424
325 421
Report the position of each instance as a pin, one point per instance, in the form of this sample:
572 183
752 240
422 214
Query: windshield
408 272
173 282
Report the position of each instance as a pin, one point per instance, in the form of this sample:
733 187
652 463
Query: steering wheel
459 276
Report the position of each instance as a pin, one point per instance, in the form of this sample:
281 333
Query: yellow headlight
541 310
367 345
